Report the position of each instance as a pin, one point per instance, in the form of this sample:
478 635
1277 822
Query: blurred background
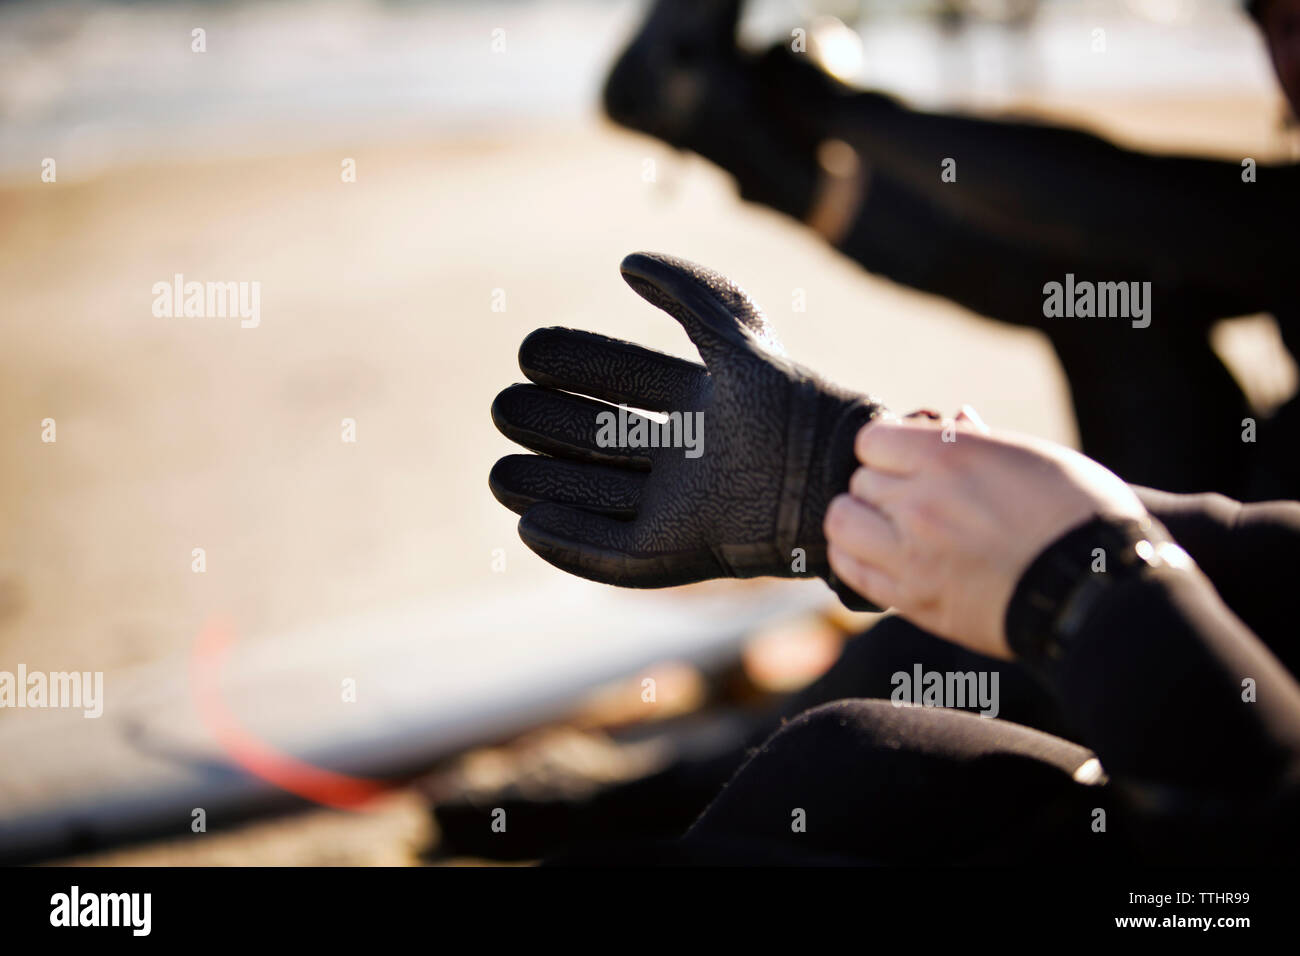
490 198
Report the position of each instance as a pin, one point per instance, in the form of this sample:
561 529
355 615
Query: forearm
1250 553
1191 716
1064 194
1071 193
912 239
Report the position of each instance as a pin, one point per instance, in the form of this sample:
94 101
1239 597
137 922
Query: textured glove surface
775 445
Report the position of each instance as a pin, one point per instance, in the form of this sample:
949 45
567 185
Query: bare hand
945 516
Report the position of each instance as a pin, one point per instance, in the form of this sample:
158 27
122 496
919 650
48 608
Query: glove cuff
840 463
822 424
824 439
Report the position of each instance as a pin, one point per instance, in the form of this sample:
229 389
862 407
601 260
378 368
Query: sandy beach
391 308
378 305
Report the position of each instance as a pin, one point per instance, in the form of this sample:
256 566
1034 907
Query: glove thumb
718 315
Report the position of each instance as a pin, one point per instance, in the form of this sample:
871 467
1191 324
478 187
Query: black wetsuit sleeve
914 240
1195 721
1250 553
1076 196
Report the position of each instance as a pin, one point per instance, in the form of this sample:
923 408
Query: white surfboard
429 679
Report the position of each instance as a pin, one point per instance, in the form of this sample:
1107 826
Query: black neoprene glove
777 445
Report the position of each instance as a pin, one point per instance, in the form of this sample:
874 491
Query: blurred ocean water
112 82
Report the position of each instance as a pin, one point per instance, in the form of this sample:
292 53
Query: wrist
1061 587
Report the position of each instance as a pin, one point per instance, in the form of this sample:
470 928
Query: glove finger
521 481
609 369
557 423
717 314
605 549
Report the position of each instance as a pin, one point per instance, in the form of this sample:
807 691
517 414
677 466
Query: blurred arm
1078 197
920 242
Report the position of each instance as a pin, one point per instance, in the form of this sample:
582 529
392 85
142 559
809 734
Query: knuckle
837 516
875 433
860 484
857 575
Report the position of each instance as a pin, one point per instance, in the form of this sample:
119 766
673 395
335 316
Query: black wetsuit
1152 686
1033 204
1030 205
1180 682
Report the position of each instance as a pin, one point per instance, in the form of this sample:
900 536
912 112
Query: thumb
718 315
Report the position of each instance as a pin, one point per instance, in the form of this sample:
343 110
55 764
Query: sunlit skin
942 530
